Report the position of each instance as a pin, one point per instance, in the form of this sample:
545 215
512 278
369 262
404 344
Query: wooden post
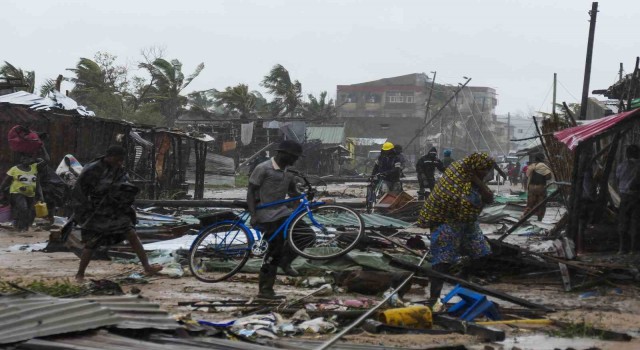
579 160
587 66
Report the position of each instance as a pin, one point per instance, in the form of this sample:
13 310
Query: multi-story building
394 109
398 97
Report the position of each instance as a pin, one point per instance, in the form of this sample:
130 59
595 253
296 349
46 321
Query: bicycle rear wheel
325 232
219 251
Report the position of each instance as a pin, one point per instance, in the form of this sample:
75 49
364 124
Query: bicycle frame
305 205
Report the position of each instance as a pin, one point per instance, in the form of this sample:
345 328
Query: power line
481 133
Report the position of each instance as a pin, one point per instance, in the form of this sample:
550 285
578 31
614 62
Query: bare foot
80 278
152 269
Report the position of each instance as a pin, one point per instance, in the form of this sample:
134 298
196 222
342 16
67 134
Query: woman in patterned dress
451 213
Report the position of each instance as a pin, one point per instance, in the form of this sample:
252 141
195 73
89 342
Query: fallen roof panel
577 134
24 317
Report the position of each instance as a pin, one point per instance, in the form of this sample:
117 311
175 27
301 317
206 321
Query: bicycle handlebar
310 190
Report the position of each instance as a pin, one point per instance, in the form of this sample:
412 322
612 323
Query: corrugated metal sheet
25 317
137 313
332 135
370 220
362 141
377 220
105 340
573 136
54 100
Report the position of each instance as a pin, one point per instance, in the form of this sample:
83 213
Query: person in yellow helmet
389 167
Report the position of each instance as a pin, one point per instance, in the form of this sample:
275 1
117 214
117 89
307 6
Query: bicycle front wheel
219 252
370 199
325 232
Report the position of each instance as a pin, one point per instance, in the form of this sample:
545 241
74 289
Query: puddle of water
27 247
544 342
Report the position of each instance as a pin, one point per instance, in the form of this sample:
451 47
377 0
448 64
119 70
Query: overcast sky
512 46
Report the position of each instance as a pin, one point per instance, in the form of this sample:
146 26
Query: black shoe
270 295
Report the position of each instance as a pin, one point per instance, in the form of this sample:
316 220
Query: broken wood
396 243
395 262
530 214
377 327
357 322
569 263
487 334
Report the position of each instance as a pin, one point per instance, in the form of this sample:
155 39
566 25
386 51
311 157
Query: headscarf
449 201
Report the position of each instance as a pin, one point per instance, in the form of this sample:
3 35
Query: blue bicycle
315 230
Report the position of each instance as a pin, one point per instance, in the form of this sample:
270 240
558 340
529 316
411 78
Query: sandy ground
613 311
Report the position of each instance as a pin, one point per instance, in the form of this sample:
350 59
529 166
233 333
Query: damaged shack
157 160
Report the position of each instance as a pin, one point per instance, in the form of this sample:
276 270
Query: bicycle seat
240 204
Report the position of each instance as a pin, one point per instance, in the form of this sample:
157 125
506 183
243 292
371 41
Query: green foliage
169 81
27 78
287 93
48 86
242 181
319 108
147 114
52 288
577 330
238 99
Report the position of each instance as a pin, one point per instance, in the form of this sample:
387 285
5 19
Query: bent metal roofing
577 134
24 317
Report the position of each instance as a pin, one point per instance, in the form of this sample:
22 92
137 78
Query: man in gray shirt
627 175
270 182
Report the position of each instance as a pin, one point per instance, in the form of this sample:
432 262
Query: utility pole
621 104
426 111
555 85
620 72
587 67
433 83
508 132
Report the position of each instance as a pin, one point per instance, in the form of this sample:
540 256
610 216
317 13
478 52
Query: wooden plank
487 334
395 262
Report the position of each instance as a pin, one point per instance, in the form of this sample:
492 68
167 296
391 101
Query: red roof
573 136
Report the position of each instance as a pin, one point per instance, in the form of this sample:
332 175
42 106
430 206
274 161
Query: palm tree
240 100
202 100
169 82
95 89
288 94
89 78
319 108
27 79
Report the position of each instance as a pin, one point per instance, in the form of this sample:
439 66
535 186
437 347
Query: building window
520 131
394 97
408 99
384 126
373 98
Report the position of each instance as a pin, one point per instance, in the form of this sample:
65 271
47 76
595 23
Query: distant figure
447 160
627 175
538 173
262 157
389 167
24 190
426 168
401 158
525 180
514 174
